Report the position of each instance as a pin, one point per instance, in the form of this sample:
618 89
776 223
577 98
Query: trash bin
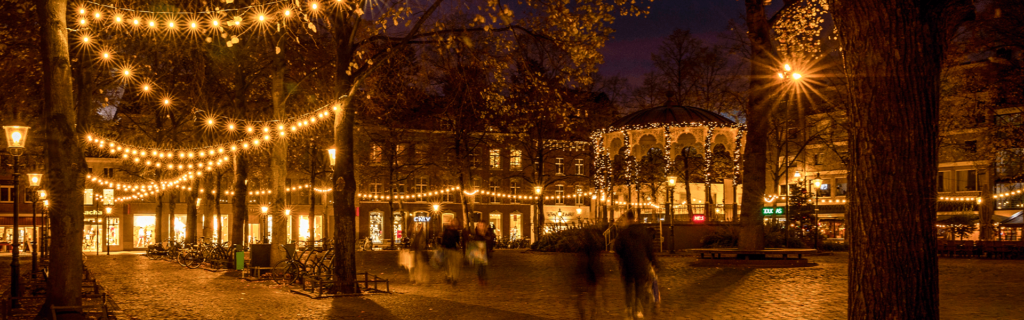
239 257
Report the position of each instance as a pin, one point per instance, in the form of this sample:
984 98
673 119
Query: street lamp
671 213
817 186
264 210
16 136
332 154
106 233
33 184
46 225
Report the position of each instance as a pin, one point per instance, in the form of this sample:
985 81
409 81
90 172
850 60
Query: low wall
688 236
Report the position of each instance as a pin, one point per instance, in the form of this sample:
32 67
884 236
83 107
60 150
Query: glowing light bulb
127 72
106 55
117 19
170 24
231 127
797 76
145 88
209 122
167 101
248 129
193 25
287 13
314 6
152 24
216 23
82 22
97 15
261 17
81 11
85 39
16 138
135 21
787 67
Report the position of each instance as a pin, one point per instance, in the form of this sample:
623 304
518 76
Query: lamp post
671 211
16 136
46 226
817 186
789 193
106 233
35 194
788 73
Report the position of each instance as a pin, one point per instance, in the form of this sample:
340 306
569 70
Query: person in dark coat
636 259
589 272
419 246
450 241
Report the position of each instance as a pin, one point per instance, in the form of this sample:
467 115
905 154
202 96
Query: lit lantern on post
16 136
332 155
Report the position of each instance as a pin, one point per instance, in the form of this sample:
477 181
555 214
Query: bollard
239 257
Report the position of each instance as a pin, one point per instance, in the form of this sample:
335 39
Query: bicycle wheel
193 260
285 272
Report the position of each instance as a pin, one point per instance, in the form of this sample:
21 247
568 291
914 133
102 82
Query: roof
671 115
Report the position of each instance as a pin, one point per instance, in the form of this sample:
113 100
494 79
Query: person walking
418 273
477 250
636 261
589 272
450 241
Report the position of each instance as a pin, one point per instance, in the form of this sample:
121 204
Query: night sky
629 52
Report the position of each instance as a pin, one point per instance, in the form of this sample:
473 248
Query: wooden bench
746 254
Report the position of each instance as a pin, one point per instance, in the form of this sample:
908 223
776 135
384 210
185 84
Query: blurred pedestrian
418 273
477 250
450 242
589 272
637 262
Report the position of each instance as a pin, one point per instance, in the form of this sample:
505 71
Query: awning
995 218
1016 220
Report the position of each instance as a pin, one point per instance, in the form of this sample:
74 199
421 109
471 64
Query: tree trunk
216 205
538 222
65 162
758 108
278 168
344 178
172 203
192 214
987 207
208 207
239 211
159 233
312 197
893 57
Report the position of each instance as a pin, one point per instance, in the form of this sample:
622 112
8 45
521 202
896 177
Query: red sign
699 218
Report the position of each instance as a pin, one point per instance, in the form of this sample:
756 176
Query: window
474 160
825 190
515 159
476 186
398 188
6 193
579 167
559 165
421 152
88 197
401 153
560 194
108 196
578 196
940 181
966 180
971 146
375 189
446 196
108 172
89 170
818 157
495 159
495 188
420 187
513 189
376 154
841 187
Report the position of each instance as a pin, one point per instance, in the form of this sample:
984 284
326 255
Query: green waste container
239 257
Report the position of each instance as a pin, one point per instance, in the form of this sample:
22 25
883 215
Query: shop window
495 159
113 232
515 226
966 180
397 226
841 187
376 226
447 218
144 230
495 223
179 228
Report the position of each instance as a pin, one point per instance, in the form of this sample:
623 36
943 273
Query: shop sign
421 219
698 218
773 211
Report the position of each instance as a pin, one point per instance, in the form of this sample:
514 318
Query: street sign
773 211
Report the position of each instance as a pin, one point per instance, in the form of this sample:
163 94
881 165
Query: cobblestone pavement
527 285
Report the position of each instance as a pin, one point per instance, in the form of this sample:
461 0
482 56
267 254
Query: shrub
572 239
